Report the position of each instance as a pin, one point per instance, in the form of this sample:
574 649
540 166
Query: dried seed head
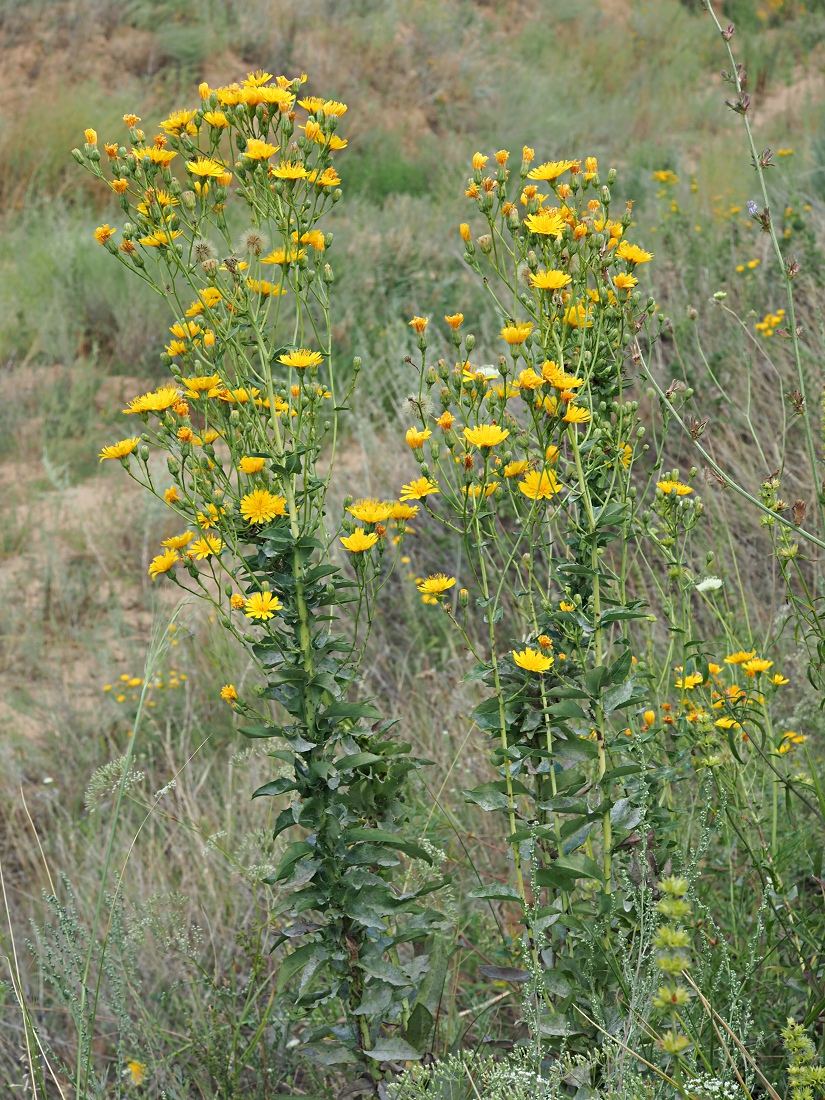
252 241
204 250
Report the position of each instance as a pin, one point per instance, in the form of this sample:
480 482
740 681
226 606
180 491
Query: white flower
709 584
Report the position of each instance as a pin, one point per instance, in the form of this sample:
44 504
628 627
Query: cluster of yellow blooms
770 322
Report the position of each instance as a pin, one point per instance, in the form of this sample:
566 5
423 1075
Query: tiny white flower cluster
714 1088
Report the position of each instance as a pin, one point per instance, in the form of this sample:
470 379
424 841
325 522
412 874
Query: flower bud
356 363
606 196
329 277
485 243
189 198
611 177
143 452
469 341
649 717
78 156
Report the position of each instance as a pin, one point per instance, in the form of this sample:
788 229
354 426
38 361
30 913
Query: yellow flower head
545 224
119 450
632 253
436 584
778 679
217 119
251 464
454 321
517 333
576 414
229 694
624 282
205 547
206 167
689 682
531 660
552 169
371 510
418 324
301 359
359 541
261 506
157 402
446 420
550 280
262 606
178 121
258 150
740 657
418 489
515 468
103 233
159 239
539 485
171 495
289 170
403 511
670 486
485 435
415 437
177 542
162 563
756 664
529 380
137 1070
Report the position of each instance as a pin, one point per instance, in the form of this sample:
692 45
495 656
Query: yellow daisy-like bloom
188 330
529 380
778 679
632 253
177 121
418 324
445 421
624 282
531 660
262 606
359 541
260 506
162 399
475 491
515 468
559 378
576 414
206 167
436 584
171 495
415 437
200 384
163 157
177 542
517 333
403 511
160 238
485 435
756 664
578 316
289 170
258 150
251 464
418 489
565 605
280 256
550 280
371 510
454 321
727 723
689 682
236 601
229 694
103 233
328 178
301 359
119 450
162 563
205 547
265 288
545 224
217 119
539 485
670 486
137 1072
740 657
552 169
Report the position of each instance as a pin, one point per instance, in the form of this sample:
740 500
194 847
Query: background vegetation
428 82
